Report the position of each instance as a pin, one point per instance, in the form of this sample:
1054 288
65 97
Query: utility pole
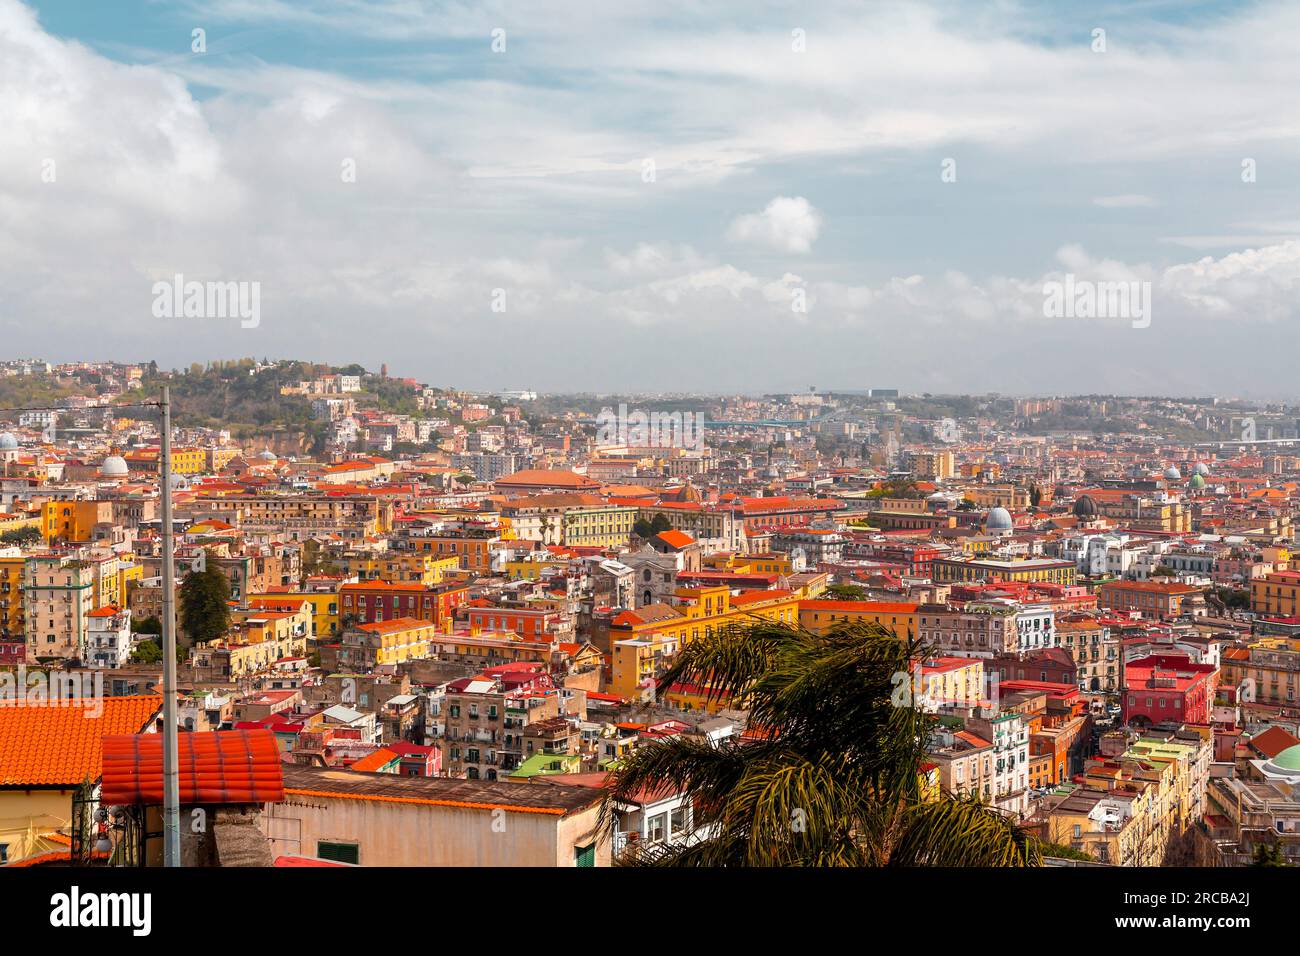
171 773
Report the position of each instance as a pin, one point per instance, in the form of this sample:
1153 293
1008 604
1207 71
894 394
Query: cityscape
508 599
440 438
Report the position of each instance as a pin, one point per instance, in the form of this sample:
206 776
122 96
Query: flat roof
438 791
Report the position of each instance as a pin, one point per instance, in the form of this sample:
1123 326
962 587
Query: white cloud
485 178
786 224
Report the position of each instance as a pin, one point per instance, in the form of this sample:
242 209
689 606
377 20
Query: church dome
1172 473
1287 763
1197 482
1202 468
1085 508
114 466
999 519
8 441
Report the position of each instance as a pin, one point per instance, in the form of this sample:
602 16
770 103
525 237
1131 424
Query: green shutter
584 855
339 852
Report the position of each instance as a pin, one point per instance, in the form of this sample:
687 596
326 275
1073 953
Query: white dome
1202 468
999 519
267 455
114 466
8 441
1172 473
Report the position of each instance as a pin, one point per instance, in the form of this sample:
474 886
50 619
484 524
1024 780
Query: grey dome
1085 507
1172 473
1202 468
267 455
999 519
114 466
8 441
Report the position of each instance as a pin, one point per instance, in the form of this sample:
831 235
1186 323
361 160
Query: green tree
147 625
147 652
846 592
833 777
1269 854
204 607
21 536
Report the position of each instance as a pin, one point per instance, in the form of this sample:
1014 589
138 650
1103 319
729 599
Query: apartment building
58 596
1152 599
1096 653
977 629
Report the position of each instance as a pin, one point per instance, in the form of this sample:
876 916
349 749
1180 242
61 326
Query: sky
659 195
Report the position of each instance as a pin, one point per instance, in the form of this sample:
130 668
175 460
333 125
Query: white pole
171 773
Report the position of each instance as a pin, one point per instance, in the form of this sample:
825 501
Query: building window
584 855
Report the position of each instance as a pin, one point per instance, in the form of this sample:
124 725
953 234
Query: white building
108 641
1035 627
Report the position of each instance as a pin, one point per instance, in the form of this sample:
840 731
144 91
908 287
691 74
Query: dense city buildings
436 602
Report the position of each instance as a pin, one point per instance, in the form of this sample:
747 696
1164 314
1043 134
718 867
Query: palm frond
952 832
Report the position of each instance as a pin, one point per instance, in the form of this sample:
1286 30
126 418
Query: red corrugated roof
224 766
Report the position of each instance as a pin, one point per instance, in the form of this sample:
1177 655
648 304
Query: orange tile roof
675 539
396 624
223 766
61 743
374 761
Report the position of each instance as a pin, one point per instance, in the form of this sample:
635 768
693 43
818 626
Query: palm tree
830 772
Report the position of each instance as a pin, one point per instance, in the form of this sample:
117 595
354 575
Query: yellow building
74 520
1272 664
1011 497
402 567
606 527
953 570
11 598
324 608
1276 594
951 680
644 641
899 617
531 570
763 564
286 622
185 461
394 642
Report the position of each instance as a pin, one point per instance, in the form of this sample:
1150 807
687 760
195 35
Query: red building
1167 688
532 624
369 602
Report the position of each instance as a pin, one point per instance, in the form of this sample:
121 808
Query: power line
84 408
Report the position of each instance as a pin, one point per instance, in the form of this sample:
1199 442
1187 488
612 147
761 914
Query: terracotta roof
675 539
61 743
545 478
373 762
1272 742
224 766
